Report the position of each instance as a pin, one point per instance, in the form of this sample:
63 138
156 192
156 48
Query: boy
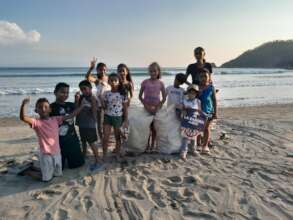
46 128
87 118
175 93
69 143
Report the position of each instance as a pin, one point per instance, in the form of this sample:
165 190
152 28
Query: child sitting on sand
87 118
175 93
208 100
149 95
190 103
69 142
46 128
115 103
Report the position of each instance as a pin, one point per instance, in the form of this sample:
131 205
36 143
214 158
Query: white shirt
102 87
114 103
192 103
175 95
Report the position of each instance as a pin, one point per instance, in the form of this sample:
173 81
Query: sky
136 32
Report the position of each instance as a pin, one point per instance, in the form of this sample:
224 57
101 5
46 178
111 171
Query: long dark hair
121 88
128 76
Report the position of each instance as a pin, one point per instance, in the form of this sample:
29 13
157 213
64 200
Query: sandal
205 150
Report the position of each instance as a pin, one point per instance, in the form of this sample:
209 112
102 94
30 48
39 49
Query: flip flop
206 151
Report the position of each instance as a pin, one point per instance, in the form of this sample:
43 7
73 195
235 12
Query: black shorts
88 135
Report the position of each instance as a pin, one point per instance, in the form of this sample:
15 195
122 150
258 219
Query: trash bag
168 128
139 129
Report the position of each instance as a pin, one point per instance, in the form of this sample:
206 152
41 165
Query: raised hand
77 96
93 62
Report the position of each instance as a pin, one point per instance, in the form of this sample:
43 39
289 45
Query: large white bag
139 129
168 130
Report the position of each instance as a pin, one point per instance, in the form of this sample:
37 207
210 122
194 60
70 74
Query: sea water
237 86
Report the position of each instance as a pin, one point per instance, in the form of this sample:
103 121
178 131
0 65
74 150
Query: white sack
168 129
139 129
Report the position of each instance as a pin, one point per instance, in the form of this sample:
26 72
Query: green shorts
115 121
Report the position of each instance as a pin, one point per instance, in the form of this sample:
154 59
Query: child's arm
22 114
163 91
73 114
94 107
131 89
89 75
140 95
215 104
76 111
186 76
76 99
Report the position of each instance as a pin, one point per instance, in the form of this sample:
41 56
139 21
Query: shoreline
6 120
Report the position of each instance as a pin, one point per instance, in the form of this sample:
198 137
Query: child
125 76
69 143
193 103
149 95
208 104
101 82
115 104
194 69
46 128
87 118
175 93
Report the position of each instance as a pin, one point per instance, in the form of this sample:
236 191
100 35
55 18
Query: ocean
238 86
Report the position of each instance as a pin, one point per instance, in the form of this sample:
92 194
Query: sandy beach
248 176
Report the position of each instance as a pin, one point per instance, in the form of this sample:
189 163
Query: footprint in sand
198 215
156 195
175 181
133 194
87 203
46 194
61 214
71 196
190 180
48 216
175 195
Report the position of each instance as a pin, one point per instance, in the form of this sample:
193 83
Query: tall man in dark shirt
193 69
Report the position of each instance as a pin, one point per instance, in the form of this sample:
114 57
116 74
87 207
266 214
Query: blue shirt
206 98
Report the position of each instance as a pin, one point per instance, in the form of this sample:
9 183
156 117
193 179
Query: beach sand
247 176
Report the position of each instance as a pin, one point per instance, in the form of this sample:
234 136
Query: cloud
11 34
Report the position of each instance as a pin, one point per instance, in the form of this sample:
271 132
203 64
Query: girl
193 69
208 100
190 104
101 82
149 95
125 76
115 104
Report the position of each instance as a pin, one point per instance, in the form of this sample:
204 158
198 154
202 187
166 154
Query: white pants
51 165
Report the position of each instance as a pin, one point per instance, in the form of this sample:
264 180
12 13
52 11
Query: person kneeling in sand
47 130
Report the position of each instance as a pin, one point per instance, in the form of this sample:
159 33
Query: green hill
276 54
